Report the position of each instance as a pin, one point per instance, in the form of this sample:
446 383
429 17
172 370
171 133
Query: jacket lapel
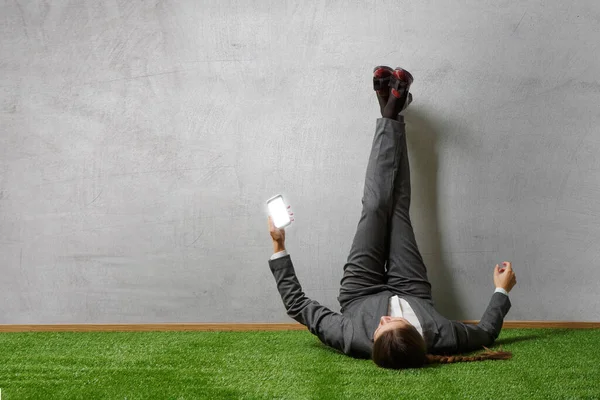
421 309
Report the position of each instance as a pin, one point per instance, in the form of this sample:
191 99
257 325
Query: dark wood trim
552 324
222 327
545 324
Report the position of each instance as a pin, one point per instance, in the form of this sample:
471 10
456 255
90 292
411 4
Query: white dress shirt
279 254
398 307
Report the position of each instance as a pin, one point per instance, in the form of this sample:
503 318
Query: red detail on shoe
402 75
382 73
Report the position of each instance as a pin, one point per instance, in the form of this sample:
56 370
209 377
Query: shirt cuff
501 290
279 254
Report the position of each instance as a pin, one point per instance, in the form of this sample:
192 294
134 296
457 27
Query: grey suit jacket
352 331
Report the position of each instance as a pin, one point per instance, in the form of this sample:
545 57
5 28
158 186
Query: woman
387 312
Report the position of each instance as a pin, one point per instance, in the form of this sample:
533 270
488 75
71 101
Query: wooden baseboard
222 327
546 324
210 327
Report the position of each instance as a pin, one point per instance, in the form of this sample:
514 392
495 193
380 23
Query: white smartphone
278 211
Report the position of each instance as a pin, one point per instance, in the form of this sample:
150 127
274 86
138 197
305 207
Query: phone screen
278 212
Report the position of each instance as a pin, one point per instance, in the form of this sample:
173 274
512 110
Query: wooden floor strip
223 327
220 327
546 324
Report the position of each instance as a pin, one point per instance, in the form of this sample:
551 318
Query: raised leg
364 271
406 271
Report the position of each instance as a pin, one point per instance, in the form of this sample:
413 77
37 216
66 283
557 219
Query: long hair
405 348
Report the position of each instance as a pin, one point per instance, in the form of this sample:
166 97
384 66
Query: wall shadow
517 339
546 333
422 136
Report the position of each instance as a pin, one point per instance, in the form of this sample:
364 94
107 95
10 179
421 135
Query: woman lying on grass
387 312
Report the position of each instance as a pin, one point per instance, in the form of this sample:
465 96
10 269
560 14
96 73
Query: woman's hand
505 277
277 234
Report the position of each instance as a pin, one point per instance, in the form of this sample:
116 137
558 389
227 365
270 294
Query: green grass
546 364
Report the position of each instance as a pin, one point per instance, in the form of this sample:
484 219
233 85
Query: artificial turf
546 364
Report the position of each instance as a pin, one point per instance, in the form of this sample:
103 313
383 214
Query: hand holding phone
279 212
278 219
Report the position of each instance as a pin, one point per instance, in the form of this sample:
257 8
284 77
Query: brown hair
400 348
404 347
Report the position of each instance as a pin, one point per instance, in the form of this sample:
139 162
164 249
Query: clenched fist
505 277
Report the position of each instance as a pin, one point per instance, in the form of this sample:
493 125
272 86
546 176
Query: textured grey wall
139 141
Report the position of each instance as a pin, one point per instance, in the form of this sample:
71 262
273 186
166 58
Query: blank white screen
278 212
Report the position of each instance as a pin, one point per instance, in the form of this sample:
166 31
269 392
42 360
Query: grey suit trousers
384 253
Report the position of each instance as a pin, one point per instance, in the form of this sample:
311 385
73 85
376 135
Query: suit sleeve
330 327
472 337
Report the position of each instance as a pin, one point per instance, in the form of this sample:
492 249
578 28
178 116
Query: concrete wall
139 141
